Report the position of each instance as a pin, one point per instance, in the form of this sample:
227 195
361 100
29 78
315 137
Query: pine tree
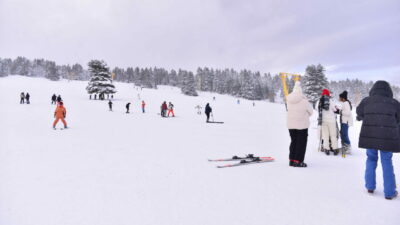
52 72
313 82
100 78
188 84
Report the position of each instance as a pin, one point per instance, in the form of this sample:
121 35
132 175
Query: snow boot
327 152
299 164
392 197
291 163
336 152
371 191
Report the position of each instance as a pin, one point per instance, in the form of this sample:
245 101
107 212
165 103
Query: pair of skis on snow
241 161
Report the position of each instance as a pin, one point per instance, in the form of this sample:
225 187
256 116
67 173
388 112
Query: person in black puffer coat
208 111
380 133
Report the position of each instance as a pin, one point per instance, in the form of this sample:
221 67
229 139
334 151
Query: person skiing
171 109
27 97
110 105
346 120
380 133
299 111
143 106
208 111
198 107
127 107
164 109
22 101
53 99
60 113
329 130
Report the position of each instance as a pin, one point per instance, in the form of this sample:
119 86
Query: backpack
324 102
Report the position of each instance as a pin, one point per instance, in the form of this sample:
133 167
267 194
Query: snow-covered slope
124 169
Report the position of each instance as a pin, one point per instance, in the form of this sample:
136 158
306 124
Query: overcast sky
351 38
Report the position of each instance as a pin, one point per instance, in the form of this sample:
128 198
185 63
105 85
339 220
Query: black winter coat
208 109
380 113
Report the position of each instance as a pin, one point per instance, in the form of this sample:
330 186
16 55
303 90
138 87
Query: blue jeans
389 180
344 133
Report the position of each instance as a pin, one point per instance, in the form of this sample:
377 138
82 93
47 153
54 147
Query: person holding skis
143 106
22 101
53 99
328 127
127 107
208 111
171 109
380 134
27 97
110 105
60 113
346 120
299 111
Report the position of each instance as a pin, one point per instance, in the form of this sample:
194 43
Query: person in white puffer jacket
298 121
329 129
346 119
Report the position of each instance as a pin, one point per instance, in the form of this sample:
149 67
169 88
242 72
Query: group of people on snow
25 98
127 106
166 110
55 100
102 96
380 131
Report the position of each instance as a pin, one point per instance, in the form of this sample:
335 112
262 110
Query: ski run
113 167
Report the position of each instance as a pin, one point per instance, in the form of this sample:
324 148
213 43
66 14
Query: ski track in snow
118 168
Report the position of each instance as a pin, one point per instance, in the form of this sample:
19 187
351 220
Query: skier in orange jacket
60 114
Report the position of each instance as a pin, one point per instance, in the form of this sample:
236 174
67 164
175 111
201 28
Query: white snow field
123 169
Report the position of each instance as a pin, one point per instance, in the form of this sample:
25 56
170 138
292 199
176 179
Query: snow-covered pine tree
52 72
313 82
100 78
5 67
188 84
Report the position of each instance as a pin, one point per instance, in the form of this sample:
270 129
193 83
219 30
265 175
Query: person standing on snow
380 133
60 114
59 99
346 120
171 109
27 97
198 107
329 129
127 107
53 99
298 122
208 111
143 106
22 101
164 109
110 105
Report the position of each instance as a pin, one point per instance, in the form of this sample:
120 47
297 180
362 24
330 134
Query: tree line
246 84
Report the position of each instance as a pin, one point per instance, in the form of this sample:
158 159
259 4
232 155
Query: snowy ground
124 169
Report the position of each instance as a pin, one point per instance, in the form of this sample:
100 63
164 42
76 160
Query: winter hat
326 92
297 87
343 95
